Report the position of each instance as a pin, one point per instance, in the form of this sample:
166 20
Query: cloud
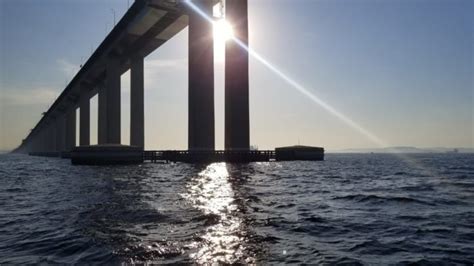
28 96
43 95
160 71
37 94
158 64
69 69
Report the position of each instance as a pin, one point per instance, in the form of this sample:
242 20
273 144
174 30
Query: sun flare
223 31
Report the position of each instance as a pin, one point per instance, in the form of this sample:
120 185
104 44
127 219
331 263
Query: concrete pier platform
209 156
107 154
299 153
292 153
116 154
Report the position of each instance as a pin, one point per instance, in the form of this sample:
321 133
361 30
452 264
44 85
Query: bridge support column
237 122
109 121
60 133
34 143
49 137
44 139
201 131
34 147
102 114
52 136
112 103
137 112
41 140
70 130
84 116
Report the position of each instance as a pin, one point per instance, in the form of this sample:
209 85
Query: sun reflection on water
223 240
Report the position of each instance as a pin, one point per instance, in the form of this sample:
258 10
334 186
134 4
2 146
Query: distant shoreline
363 152
406 150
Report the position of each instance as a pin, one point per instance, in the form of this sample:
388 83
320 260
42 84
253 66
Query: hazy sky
400 69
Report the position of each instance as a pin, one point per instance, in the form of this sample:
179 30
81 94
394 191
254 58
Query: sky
393 72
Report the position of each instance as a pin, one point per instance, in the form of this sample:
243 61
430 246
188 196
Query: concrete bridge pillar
34 143
137 112
70 130
60 133
52 135
41 140
112 103
237 122
48 138
84 116
201 129
102 114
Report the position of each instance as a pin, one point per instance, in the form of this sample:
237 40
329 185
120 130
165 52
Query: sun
222 31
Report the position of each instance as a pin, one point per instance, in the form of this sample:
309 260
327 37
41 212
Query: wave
146 253
381 199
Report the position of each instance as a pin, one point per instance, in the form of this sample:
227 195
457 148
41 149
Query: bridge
146 26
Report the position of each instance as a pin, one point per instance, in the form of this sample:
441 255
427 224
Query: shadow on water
109 210
116 210
141 219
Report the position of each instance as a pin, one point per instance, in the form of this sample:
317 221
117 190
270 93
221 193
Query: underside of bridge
146 26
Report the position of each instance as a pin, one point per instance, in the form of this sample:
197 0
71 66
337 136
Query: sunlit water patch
222 241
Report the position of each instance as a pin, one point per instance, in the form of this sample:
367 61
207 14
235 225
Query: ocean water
349 209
